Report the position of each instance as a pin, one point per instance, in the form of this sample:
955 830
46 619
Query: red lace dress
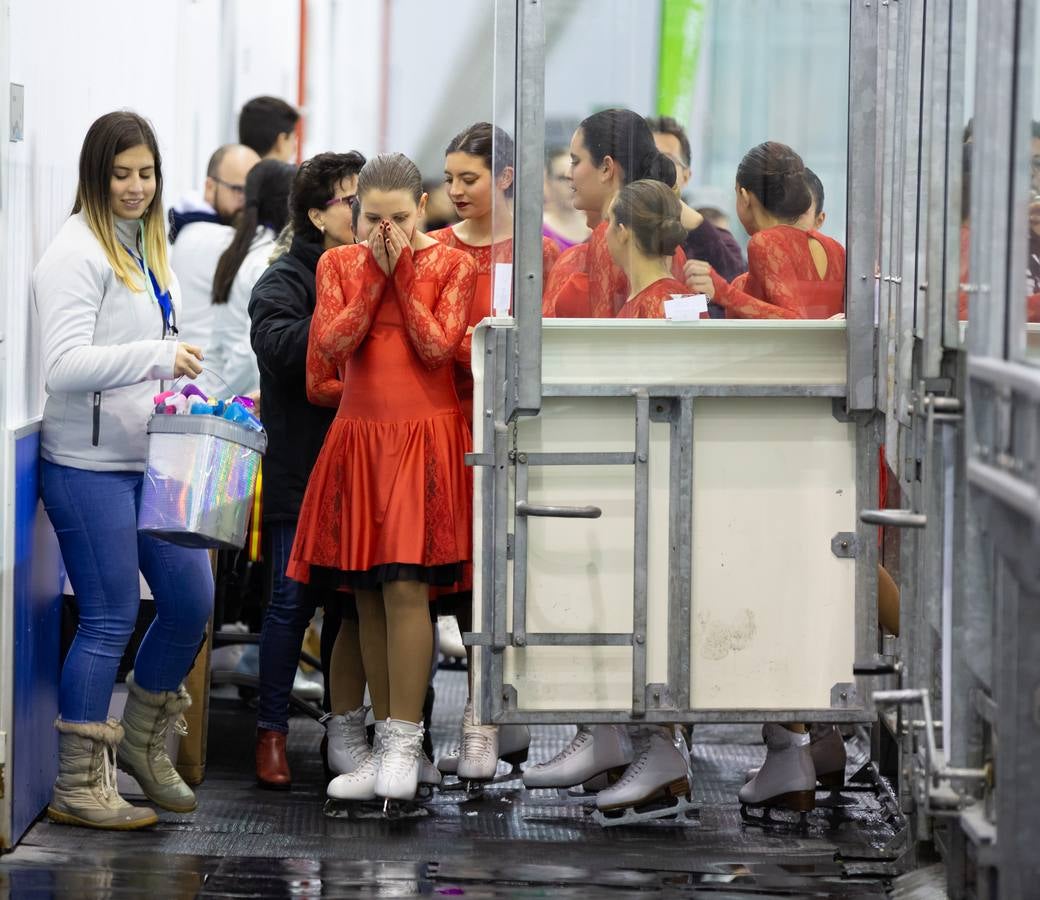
649 302
782 281
390 495
591 284
484 257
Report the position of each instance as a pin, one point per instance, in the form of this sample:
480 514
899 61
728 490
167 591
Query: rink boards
769 603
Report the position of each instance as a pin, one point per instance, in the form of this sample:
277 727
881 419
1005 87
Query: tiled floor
506 843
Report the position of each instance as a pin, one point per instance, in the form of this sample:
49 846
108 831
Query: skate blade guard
800 803
376 810
662 812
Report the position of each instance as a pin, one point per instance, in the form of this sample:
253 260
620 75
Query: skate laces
634 769
577 742
350 729
475 742
400 750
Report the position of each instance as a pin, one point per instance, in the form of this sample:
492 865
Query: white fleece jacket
103 353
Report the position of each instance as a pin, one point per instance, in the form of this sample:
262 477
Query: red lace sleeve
436 332
347 298
768 262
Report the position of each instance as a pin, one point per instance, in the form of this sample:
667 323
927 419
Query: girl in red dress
794 272
643 230
387 511
478 170
609 149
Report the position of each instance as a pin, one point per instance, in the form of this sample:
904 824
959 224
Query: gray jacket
103 353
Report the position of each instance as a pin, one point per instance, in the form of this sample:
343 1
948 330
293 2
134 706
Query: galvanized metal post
525 369
862 204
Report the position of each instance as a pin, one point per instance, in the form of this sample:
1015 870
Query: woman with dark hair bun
280 309
794 272
609 149
478 172
644 228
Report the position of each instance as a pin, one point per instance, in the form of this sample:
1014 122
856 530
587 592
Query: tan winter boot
142 753
85 792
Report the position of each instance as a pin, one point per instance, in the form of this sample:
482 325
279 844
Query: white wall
187 65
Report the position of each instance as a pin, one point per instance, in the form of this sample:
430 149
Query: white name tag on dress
686 307
502 297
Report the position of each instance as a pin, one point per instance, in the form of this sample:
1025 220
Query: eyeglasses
346 201
679 164
235 188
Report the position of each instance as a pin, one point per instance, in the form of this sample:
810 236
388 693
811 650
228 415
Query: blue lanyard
161 297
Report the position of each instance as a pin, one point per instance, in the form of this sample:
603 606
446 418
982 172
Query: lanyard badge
162 298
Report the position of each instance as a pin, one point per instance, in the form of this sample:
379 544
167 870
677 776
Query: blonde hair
109 136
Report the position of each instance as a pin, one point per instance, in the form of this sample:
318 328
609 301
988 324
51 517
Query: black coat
280 311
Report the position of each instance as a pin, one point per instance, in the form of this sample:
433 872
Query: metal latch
523 508
893 518
937 773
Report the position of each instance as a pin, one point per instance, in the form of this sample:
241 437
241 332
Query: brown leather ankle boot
272 768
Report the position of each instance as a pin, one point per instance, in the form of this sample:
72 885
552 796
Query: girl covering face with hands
387 510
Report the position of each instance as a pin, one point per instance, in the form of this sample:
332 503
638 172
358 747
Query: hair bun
669 236
658 167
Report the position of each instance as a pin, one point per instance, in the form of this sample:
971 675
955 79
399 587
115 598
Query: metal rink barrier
674 537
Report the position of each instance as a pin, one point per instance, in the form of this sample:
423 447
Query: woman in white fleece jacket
107 307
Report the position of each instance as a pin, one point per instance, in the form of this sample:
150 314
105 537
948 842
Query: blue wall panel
38 581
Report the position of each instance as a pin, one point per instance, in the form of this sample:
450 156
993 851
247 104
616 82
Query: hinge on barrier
843 695
844 545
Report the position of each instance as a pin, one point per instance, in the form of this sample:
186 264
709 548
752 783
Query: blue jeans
95 517
290 607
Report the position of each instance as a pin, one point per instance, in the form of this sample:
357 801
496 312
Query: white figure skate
359 785
828 754
347 746
655 788
398 775
513 743
594 750
787 779
449 637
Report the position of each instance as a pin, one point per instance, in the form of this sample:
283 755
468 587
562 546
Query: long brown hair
109 136
267 203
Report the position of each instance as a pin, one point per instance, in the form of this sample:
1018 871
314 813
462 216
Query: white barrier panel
772 606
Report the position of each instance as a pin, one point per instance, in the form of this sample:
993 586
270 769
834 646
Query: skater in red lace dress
478 170
609 150
794 272
387 510
643 231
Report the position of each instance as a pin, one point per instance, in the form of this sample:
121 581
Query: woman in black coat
280 309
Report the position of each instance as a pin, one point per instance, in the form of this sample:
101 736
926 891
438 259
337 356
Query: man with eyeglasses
713 245
200 231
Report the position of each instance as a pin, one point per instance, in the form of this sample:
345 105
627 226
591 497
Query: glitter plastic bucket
199 484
